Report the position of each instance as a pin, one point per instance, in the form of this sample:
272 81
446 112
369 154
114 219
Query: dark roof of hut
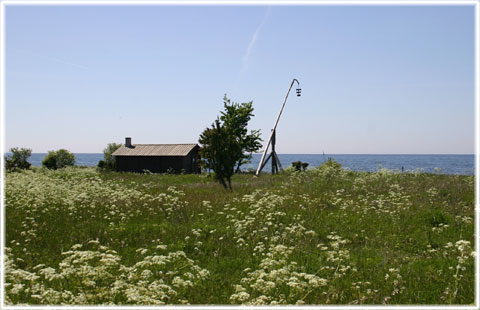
155 150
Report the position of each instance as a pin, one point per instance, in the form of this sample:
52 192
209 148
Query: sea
445 164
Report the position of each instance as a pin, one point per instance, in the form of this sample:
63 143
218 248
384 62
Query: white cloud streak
55 59
254 38
66 62
251 45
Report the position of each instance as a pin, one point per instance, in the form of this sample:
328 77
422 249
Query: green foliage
50 160
220 152
299 166
330 163
436 218
65 158
108 162
76 236
236 117
101 165
58 159
18 159
227 144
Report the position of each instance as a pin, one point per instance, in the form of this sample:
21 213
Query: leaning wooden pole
260 165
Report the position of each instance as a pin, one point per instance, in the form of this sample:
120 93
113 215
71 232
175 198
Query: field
325 236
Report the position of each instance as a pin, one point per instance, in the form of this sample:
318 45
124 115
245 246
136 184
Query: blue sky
375 79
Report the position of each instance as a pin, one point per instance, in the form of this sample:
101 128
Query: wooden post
273 155
274 160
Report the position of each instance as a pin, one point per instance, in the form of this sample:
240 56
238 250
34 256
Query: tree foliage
236 117
18 159
108 162
50 161
220 152
58 159
224 144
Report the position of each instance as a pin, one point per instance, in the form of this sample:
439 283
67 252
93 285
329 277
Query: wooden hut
157 158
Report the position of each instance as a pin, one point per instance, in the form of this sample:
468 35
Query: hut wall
158 164
190 162
187 163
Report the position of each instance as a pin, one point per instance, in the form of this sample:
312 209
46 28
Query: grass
325 236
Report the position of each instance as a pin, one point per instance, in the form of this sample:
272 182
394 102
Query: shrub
101 164
50 161
65 158
299 166
108 162
58 159
330 163
18 159
329 170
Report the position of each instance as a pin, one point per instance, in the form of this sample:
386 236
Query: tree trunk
222 181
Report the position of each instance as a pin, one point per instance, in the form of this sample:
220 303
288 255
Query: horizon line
308 153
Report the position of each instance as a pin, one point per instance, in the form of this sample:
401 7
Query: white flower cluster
267 230
395 280
98 277
337 257
363 291
440 228
464 254
391 204
463 219
82 196
277 281
172 204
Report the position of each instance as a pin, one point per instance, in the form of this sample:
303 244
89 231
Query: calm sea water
448 164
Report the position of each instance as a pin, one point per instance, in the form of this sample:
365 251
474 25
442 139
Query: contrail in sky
254 38
55 59
251 45
66 62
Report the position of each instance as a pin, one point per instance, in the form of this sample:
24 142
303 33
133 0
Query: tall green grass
325 236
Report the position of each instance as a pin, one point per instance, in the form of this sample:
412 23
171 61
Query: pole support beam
271 140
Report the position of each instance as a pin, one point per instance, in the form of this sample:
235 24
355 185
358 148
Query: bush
108 162
58 159
65 158
330 163
18 159
101 165
50 161
299 166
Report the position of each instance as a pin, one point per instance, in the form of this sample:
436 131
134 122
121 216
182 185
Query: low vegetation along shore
324 236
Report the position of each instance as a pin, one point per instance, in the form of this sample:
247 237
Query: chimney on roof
128 142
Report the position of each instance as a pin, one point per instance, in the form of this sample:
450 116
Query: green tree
220 152
226 145
65 158
236 117
18 159
58 159
50 160
108 162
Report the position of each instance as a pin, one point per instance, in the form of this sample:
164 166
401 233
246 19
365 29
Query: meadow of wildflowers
324 236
